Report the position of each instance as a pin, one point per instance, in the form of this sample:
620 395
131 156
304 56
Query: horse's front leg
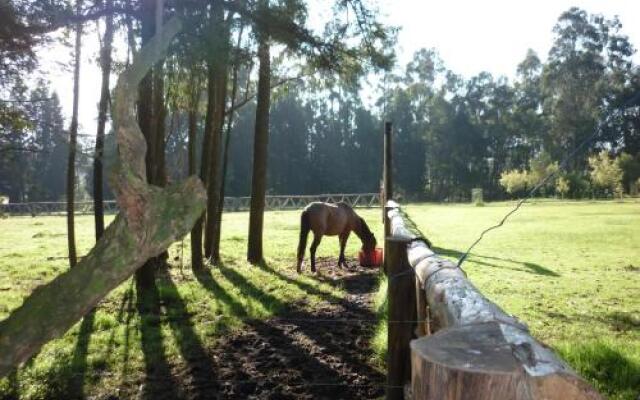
314 246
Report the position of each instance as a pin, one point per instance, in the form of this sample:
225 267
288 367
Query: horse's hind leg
314 246
342 261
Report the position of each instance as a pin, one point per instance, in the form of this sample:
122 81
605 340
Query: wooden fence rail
286 202
464 346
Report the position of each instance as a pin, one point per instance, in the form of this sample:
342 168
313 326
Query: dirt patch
301 354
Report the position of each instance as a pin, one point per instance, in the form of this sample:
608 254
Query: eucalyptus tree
73 135
585 76
105 65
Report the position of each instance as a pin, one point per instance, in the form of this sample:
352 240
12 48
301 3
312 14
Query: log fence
285 202
460 345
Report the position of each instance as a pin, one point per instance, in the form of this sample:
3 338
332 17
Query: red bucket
371 259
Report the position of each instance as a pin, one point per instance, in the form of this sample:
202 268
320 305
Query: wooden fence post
401 316
387 174
423 328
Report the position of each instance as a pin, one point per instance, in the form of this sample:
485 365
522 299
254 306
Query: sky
471 36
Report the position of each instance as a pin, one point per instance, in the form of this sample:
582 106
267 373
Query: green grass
570 270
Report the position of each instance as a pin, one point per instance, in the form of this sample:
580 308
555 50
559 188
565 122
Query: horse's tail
305 227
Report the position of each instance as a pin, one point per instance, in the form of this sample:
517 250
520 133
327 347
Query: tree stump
487 361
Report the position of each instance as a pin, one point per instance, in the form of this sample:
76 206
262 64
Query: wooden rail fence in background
450 342
290 202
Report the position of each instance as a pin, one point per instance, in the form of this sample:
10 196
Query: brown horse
331 219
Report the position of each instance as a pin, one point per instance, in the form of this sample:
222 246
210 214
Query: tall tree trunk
220 62
197 231
261 141
159 116
159 109
196 235
227 141
73 135
145 276
105 61
216 17
212 240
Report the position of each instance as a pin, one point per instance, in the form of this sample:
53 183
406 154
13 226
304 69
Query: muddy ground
320 354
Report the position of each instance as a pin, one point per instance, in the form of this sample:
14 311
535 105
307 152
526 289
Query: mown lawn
571 271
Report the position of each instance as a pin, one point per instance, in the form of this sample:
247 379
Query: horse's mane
365 232
364 227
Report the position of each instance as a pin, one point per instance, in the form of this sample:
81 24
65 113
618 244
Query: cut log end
480 362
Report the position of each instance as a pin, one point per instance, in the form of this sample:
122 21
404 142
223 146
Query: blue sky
470 36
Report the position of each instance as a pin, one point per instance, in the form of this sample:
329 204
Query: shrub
540 167
630 167
562 186
514 181
606 172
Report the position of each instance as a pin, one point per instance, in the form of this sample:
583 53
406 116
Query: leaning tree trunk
73 135
105 61
150 219
261 141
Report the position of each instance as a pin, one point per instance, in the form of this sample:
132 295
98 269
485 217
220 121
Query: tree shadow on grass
201 376
159 380
532 268
127 311
79 360
607 367
206 279
616 320
309 288
621 321
358 283
270 302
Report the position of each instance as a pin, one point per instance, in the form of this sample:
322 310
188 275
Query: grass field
571 271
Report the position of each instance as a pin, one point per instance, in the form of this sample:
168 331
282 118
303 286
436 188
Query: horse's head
369 244
368 238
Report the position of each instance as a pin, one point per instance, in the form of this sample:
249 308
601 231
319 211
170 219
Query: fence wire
563 164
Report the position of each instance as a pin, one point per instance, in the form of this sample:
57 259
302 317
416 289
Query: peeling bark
149 221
